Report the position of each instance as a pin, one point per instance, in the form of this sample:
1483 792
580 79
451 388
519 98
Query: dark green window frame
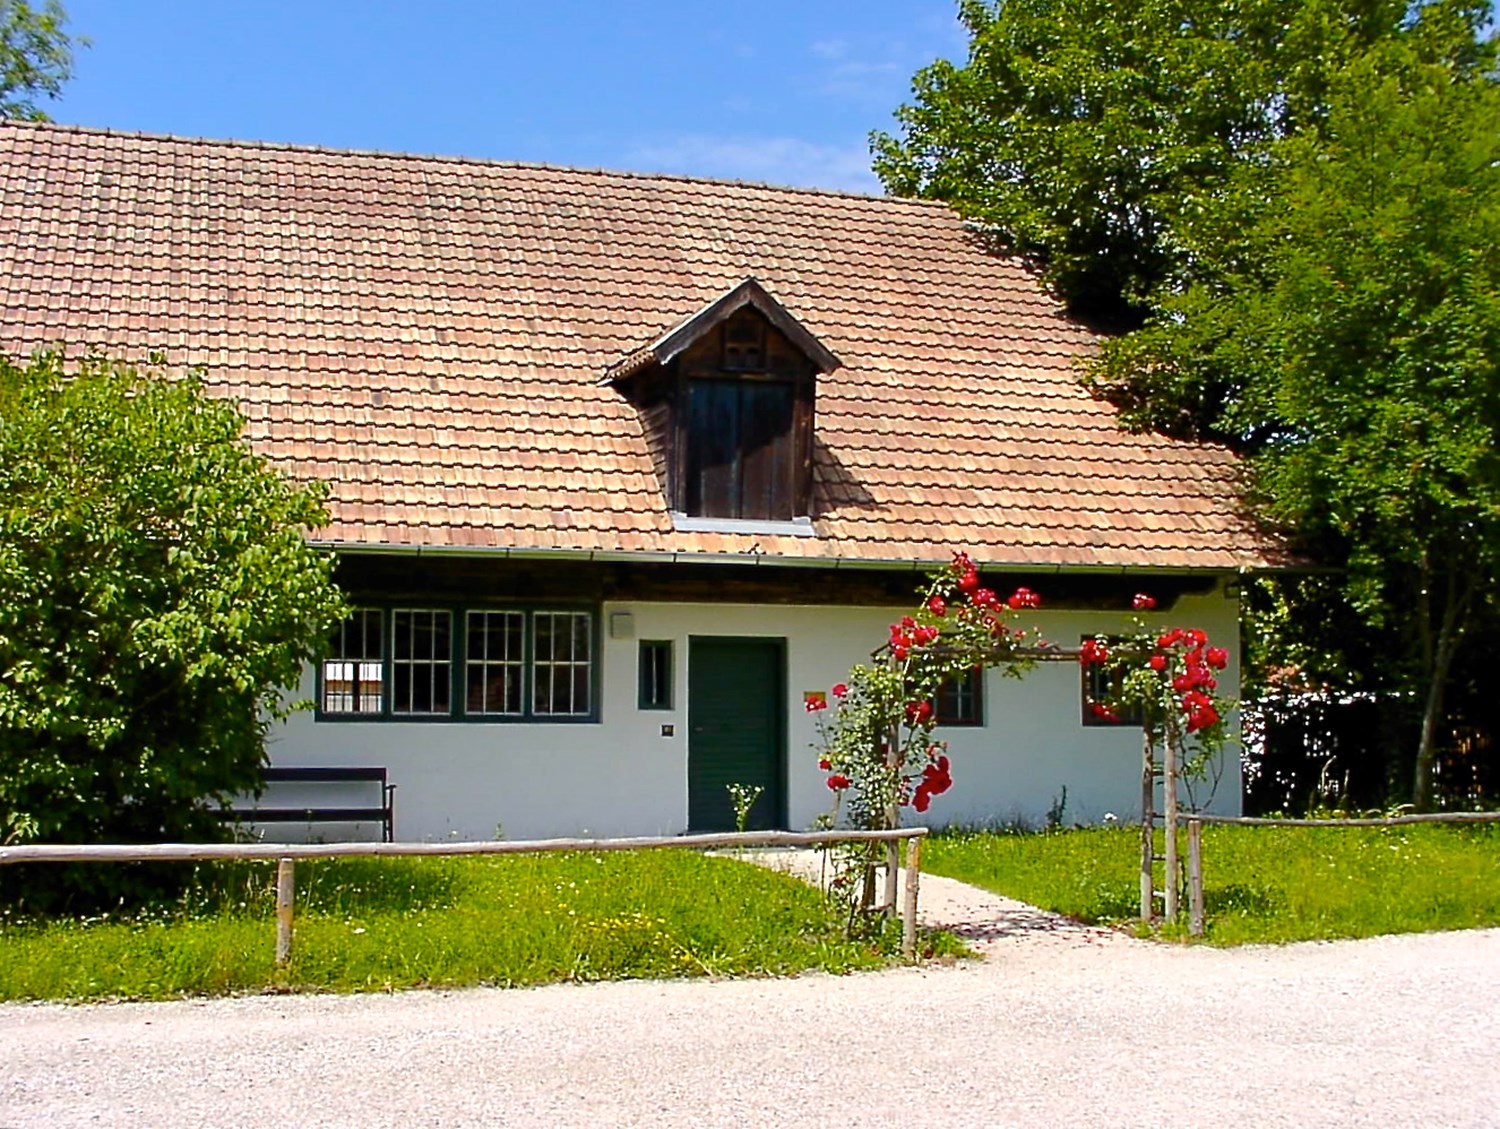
354 677
476 681
654 674
1100 682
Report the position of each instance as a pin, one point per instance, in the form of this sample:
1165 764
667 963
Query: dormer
727 398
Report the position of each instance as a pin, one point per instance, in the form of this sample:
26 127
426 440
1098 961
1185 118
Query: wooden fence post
1195 877
1148 825
892 821
1170 874
913 881
286 892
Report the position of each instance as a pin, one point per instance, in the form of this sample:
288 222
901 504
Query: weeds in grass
1261 884
379 924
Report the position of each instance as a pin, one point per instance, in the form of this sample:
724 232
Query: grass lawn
379 924
1261 884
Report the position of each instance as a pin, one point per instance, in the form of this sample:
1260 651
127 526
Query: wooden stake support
1195 876
1148 826
1169 885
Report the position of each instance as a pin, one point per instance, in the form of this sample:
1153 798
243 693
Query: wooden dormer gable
727 399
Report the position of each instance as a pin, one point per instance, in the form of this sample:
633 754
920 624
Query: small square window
654 670
1102 682
960 701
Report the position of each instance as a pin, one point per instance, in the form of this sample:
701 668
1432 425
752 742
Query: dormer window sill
797 527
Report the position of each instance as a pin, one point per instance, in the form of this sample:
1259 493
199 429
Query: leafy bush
157 600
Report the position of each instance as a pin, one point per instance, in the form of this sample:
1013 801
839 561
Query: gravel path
1057 1024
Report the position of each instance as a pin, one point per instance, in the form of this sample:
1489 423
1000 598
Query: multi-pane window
959 701
354 670
562 662
495 669
441 663
421 661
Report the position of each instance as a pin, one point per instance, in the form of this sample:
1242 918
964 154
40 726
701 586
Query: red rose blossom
1142 602
837 782
840 690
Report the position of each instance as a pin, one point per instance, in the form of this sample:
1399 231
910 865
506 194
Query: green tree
158 602
36 56
1345 331
1084 133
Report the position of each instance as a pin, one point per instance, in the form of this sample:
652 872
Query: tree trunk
1439 652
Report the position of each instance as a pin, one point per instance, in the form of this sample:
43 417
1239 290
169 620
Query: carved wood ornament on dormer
727 399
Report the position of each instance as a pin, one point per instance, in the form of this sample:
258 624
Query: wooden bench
385 813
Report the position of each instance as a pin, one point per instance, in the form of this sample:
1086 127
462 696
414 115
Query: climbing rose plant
875 737
1168 681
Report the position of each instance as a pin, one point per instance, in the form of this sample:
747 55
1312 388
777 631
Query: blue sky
777 90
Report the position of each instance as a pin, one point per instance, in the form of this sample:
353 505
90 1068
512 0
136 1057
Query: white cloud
773 160
876 69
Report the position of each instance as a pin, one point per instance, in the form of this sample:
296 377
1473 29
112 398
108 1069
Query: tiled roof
429 336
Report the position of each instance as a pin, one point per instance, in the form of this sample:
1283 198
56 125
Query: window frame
777 458
771 447
458 712
1089 680
976 676
380 658
413 661
469 662
643 697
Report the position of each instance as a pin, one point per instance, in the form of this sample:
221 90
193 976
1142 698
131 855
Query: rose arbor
877 743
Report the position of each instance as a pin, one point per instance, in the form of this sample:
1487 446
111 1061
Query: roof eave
669 556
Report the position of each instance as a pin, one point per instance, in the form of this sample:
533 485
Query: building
624 466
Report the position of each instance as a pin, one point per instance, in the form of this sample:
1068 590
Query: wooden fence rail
1196 820
285 855
1355 821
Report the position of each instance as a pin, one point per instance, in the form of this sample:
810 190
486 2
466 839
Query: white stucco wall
621 777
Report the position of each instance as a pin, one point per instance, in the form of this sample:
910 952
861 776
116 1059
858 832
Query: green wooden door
736 729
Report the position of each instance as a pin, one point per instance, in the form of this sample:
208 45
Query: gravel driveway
1058 1024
